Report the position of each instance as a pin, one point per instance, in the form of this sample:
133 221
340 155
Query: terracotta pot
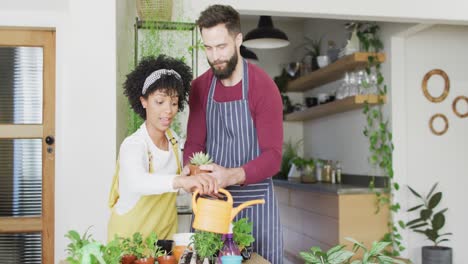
195 169
167 259
145 261
128 259
178 251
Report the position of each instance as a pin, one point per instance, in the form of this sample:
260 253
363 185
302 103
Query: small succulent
200 158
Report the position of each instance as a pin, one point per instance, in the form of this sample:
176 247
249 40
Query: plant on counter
242 231
429 222
339 255
85 250
207 245
146 249
289 153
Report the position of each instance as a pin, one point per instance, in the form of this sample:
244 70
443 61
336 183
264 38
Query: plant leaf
412 222
426 214
417 226
378 247
415 208
414 192
432 190
434 200
438 221
340 256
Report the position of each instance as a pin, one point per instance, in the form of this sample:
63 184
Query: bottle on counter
338 172
326 173
230 247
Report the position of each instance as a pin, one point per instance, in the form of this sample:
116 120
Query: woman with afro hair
148 172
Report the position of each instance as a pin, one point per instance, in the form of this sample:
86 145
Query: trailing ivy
380 137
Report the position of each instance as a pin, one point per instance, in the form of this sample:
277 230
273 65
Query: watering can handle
196 194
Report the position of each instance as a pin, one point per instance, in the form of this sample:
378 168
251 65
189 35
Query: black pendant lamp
265 36
248 54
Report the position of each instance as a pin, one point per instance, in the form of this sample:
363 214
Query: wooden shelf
338 106
332 72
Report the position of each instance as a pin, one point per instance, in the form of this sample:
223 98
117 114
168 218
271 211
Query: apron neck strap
175 149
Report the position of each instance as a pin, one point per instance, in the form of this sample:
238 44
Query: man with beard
236 117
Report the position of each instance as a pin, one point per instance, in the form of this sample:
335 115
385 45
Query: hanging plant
380 137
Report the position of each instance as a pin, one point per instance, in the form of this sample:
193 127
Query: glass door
27 145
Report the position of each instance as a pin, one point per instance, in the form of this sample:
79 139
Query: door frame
44 223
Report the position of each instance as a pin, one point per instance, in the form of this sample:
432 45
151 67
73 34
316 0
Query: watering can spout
236 210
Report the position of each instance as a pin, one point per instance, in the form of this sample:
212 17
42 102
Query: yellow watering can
216 215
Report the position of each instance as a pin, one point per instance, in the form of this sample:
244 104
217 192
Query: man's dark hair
220 14
169 84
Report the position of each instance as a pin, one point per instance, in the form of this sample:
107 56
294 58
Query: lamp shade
265 36
248 54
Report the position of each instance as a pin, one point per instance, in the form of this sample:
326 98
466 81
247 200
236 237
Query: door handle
49 140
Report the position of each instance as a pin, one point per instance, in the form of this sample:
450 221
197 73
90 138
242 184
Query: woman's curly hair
168 83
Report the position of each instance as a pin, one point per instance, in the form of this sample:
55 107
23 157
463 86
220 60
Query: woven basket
151 10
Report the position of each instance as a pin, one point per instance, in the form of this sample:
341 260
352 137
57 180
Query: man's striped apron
232 142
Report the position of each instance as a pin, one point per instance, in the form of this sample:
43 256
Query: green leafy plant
207 244
242 231
302 163
380 138
85 250
200 158
146 247
373 255
289 153
339 255
429 221
313 46
336 255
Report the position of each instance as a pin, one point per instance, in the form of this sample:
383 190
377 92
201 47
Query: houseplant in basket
152 10
197 159
429 222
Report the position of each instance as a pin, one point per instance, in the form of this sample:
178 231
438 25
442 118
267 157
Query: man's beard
228 70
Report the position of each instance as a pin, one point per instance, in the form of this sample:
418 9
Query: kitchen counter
325 187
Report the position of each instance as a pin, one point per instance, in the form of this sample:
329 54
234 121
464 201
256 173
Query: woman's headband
154 76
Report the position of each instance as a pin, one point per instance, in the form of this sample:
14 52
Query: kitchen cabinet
324 214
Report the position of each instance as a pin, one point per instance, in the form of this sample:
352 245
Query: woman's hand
204 183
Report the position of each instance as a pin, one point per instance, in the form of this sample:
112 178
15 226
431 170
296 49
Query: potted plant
197 159
306 169
146 250
127 248
207 245
430 222
85 250
339 255
242 231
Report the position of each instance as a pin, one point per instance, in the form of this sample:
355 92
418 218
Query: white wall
85 107
274 60
452 11
431 158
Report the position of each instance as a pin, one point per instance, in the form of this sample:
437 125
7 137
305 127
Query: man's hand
225 176
204 183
